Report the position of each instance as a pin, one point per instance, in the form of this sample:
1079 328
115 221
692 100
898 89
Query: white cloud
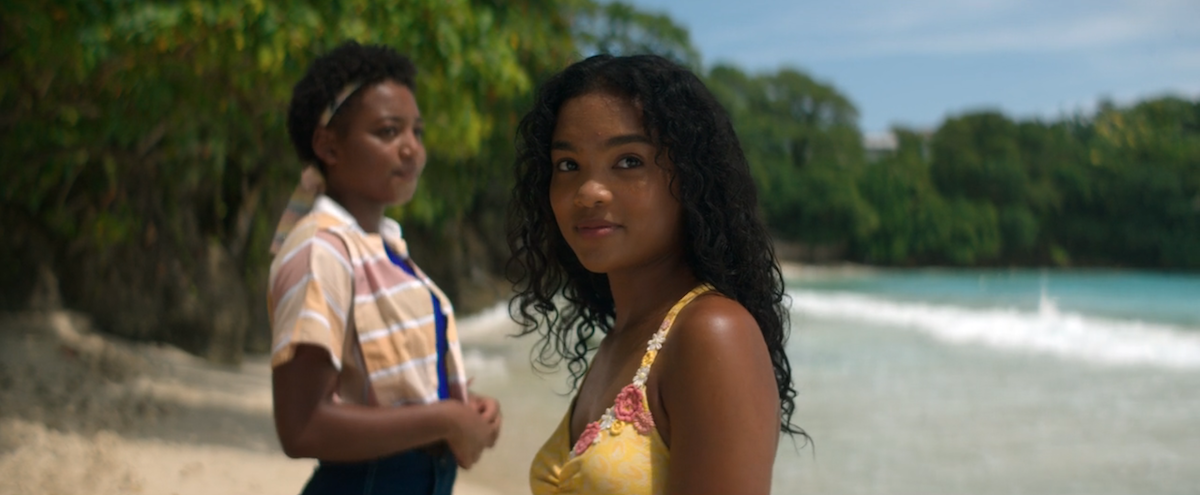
866 28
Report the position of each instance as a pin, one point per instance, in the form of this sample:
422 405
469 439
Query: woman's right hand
470 434
489 408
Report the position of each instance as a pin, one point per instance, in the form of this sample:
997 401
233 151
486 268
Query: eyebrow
397 118
610 143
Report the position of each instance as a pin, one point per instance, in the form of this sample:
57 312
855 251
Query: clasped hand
477 428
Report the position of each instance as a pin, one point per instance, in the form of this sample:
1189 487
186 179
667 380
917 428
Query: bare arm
718 391
310 424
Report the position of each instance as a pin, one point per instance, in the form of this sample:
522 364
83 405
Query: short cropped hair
329 74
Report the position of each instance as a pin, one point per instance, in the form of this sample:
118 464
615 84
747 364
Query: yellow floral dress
622 451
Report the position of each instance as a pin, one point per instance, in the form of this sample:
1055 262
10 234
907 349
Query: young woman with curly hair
367 371
634 217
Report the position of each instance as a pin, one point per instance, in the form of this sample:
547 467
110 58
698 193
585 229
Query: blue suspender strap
443 345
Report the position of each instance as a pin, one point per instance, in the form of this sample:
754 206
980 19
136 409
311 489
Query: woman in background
367 369
634 215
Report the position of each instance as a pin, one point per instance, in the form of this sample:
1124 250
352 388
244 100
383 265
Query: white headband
337 102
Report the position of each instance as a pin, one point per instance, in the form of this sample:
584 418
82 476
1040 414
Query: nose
592 193
409 145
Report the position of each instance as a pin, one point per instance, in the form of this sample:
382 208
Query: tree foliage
1117 188
803 145
143 137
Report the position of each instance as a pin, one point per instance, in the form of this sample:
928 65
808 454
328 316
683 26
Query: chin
401 198
594 265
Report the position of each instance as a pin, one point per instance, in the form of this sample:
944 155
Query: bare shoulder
714 325
715 338
716 370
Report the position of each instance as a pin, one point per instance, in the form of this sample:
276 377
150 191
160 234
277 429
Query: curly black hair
348 63
727 244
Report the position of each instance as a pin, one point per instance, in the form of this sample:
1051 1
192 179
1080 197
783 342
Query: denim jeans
415 472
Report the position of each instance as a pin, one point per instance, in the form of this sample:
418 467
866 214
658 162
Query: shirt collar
388 228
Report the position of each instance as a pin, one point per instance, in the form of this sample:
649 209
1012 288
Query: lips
404 173
406 168
595 228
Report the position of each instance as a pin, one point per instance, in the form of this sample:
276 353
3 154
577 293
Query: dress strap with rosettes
630 408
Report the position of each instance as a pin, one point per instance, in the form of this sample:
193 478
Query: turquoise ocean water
947 382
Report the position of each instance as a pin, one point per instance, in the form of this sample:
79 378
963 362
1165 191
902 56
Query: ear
325 146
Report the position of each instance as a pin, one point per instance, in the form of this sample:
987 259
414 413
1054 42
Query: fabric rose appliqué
643 422
587 438
629 409
629 403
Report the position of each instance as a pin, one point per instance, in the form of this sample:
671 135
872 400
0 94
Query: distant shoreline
793 270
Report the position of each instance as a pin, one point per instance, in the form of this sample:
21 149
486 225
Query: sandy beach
81 412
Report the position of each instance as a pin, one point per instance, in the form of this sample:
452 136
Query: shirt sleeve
309 295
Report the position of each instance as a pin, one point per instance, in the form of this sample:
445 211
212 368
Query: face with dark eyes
374 153
612 202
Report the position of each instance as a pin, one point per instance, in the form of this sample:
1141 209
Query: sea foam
1047 330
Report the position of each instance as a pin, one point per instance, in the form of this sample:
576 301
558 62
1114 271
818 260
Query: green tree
152 153
918 224
1143 204
804 147
900 189
977 158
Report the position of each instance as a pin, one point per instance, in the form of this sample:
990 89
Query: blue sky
915 62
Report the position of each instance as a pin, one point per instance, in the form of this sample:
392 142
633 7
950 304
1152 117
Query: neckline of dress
652 346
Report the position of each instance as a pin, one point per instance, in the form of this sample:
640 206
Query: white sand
81 413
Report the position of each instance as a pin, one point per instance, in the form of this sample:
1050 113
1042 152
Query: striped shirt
332 285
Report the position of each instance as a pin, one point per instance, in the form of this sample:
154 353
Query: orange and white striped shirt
333 286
